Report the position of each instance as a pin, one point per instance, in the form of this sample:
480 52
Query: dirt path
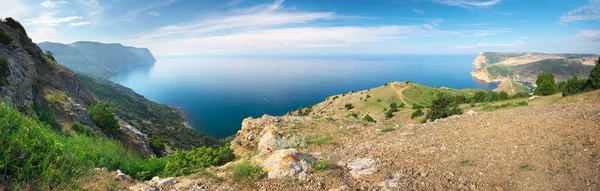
400 95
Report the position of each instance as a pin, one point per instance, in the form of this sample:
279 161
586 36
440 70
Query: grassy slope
149 117
516 87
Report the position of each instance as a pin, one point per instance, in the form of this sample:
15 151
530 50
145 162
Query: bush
187 162
443 106
389 114
15 25
157 143
417 113
348 106
416 106
594 79
56 100
520 95
5 39
368 118
352 115
104 116
246 171
83 129
573 86
479 97
545 84
46 116
50 56
493 97
502 96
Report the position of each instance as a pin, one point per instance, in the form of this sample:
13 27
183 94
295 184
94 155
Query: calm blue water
217 93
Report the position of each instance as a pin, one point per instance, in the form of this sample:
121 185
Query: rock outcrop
136 140
287 163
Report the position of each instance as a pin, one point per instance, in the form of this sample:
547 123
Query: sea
217 92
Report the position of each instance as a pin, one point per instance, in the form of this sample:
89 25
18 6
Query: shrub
387 129
417 106
443 106
187 162
352 115
594 79
520 95
157 143
545 84
368 96
56 100
348 106
292 142
5 39
50 56
368 118
83 129
417 113
573 85
246 171
104 116
502 96
321 165
46 116
15 25
493 97
479 97
389 114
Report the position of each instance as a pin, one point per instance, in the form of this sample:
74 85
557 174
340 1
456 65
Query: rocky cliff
498 67
35 84
98 59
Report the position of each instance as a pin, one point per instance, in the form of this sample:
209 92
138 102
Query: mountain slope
525 67
98 59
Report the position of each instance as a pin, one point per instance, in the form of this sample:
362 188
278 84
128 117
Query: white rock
166 182
269 140
362 166
122 176
287 163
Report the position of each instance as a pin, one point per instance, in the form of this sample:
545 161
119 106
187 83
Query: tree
389 114
348 106
502 96
545 84
368 118
493 97
104 116
393 107
443 106
594 80
416 114
50 55
573 85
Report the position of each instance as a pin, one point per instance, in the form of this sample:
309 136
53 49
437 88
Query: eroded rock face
287 163
260 134
136 140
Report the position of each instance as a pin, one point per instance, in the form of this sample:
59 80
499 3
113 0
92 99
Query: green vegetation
45 115
417 106
50 56
155 120
15 25
352 115
389 114
368 118
4 72
502 96
545 84
56 100
104 116
348 106
443 106
490 107
5 38
594 79
573 86
246 171
494 57
187 162
500 70
83 129
466 162
417 113
525 166
321 165
387 129
318 139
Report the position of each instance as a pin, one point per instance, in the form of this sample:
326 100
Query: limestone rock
287 163
362 166
138 141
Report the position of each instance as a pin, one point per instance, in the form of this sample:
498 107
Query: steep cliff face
498 67
98 59
36 85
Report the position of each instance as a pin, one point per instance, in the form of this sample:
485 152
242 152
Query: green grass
423 95
525 166
5 39
321 165
387 129
246 171
500 70
466 162
56 100
317 139
494 57
490 107
82 129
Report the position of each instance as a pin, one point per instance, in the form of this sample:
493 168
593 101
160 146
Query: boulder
287 163
269 140
362 166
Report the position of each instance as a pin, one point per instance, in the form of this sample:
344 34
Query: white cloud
590 35
419 11
91 6
51 4
43 33
13 8
154 13
589 12
469 3
79 23
516 43
47 19
490 32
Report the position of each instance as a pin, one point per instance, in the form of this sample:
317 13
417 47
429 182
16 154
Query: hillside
98 59
525 67
160 122
548 145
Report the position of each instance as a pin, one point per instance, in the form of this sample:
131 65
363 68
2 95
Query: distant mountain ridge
98 59
526 66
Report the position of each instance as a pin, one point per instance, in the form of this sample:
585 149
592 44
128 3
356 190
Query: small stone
321 185
122 176
251 138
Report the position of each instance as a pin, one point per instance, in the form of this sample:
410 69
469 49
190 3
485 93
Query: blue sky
317 27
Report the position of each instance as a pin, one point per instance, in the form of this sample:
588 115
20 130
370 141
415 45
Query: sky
317 27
